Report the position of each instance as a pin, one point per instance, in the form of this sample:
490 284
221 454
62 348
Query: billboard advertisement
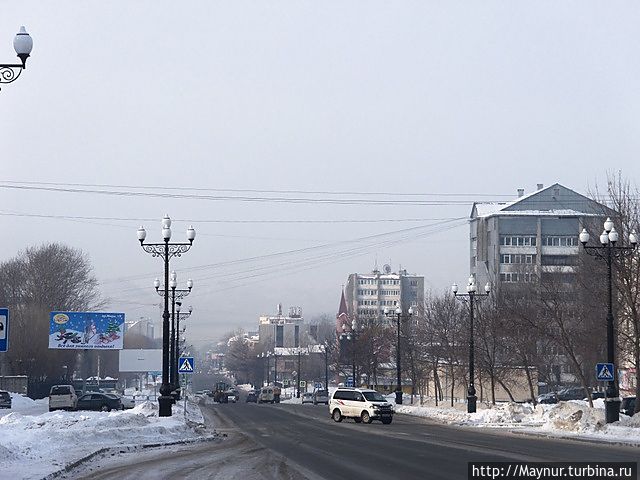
86 330
140 360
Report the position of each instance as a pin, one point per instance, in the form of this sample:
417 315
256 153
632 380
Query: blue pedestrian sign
604 372
185 365
4 329
349 382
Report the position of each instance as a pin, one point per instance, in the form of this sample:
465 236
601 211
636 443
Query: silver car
321 396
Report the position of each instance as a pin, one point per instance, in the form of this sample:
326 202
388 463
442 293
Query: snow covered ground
35 442
572 419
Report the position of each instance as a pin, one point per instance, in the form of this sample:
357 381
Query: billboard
86 330
140 360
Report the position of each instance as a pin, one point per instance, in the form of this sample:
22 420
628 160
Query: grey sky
419 97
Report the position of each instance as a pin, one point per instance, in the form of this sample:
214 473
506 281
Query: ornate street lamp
608 251
166 251
472 295
22 43
176 296
400 316
176 347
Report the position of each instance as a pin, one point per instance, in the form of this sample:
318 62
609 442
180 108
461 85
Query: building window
279 335
560 241
518 241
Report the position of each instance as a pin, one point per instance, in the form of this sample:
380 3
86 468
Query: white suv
361 405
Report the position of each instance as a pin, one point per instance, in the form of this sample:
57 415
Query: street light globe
166 221
156 283
604 237
608 225
189 284
191 234
398 310
142 234
190 309
633 238
386 310
613 235
487 288
410 312
178 307
584 236
454 288
166 233
23 44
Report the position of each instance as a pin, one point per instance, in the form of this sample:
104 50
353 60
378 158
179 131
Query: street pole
326 367
472 295
398 313
166 250
275 367
609 252
299 364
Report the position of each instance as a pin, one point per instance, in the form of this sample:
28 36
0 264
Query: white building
368 294
283 330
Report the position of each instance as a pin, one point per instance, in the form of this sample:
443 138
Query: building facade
533 237
368 294
283 330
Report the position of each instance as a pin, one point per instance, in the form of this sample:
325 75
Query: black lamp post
275 367
351 337
176 296
327 349
184 316
165 251
608 252
472 295
398 313
22 43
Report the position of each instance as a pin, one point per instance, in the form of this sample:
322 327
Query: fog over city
304 141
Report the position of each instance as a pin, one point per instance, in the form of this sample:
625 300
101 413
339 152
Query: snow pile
573 419
49 441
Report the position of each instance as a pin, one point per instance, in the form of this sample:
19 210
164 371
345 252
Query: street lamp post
166 251
398 313
22 43
327 349
350 336
609 251
184 316
472 295
176 296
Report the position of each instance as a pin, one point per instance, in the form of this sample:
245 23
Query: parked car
5 399
321 396
550 397
360 404
127 401
573 393
62 397
252 397
307 397
232 396
104 402
628 406
266 395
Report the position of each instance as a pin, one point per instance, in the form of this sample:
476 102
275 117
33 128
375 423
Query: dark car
104 402
547 398
628 406
573 393
252 397
321 396
5 399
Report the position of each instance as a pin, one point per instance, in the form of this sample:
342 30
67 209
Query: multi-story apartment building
283 330
368 294
533 237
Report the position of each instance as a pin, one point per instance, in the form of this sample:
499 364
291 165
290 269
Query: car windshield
5 395
60 391
374 397
321 393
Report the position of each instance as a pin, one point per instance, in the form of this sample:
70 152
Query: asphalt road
298 442
409 448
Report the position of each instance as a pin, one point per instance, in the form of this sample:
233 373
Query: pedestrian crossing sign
185 365
604 372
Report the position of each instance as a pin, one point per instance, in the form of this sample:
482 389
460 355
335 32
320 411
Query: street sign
303 384
349 382
286 383
317 386
4 329
604 372
185 365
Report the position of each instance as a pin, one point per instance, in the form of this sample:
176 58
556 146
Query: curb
597 440
126 449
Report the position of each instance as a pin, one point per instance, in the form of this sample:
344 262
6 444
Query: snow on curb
34 446
573 419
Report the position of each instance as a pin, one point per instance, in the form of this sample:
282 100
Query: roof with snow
555 200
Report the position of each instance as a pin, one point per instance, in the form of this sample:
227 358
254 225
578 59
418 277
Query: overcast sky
456 101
